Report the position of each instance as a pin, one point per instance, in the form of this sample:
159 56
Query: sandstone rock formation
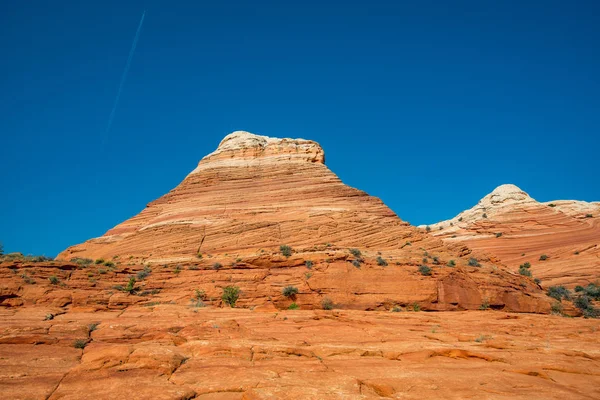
174 352
255 194
560 239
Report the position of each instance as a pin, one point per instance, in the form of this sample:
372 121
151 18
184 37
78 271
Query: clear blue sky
427 105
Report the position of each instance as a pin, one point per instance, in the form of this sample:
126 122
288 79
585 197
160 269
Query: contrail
123 78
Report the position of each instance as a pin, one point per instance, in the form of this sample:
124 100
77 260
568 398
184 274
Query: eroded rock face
175 352
254 194
514 228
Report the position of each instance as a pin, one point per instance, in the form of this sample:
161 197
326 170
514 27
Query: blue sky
427 105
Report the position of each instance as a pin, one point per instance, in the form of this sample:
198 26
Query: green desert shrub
100 261
584 303
451 263
498 234
80 343
543 257
285 250
524 269
356 263
473 262
428 228
293 306
327 304
217 266
54 280
425 270
355 252
309 264
290 291
230 295
143 274
436 260
381 262
559 293
109 264
588 215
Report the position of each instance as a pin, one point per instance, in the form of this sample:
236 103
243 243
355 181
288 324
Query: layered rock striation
560 239
225 224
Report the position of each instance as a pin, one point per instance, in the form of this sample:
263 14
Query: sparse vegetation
290 291
285 250
381 262
49 317
356 263
460 219
143 274
396 309
427 228
591 290
80 343
584 303
485 305
217 266
416 307
355 253
473 262
425 270
589 216
92 327
199 254
451 263
551 205
82 262
559 293
177 269
327 304
436 260
309 264
54 280
109 264
100 261
498 234
484 215
230 295
27 279
557 308
293 306
425 260
524 269
543 257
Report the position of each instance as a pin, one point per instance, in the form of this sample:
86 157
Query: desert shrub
584 303
425 260
199 254
143 274
197 303
49 317
537 281
193 267
177 269
559 293
381 262
27 279
290 291
592 290
293 306
217 266
109 264
356 263
425 270
396 309
588 215
551 205
101 271
327 304
436 260
83 262
484 215
557 308
524 269
543 257
473 262
427 228
80 343
416 307
309 264
460 219
498 234
54 280
100 261
92 327
230 295
355 252
285 250
485 305
451 263
199 294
